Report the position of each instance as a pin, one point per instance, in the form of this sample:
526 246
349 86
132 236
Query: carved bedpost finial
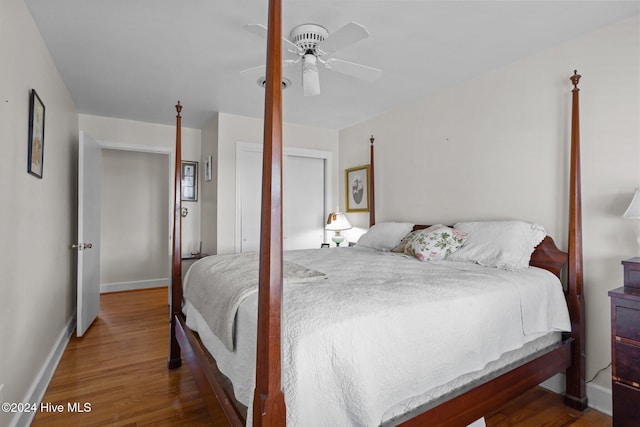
575 79
178 108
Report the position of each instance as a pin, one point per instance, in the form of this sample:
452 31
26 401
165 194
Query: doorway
91 175
134 227
136 182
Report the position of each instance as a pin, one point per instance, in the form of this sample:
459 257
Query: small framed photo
356 182
189 181
36 135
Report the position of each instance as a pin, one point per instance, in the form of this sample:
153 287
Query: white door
303 202
249 199
88 245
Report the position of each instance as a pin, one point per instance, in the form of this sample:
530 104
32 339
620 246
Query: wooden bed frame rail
269 403
209 380
482 400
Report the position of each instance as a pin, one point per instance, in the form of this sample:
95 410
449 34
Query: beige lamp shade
337 221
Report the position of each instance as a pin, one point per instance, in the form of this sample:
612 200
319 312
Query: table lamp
633 211
337 221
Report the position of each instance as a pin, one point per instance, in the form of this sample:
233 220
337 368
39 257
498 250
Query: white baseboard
42 380
598 397
130 286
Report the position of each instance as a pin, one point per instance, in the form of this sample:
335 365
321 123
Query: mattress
384 333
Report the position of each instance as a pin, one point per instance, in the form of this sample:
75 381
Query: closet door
303 202
249 177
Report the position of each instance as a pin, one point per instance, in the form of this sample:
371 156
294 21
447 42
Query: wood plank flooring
540 407
120 369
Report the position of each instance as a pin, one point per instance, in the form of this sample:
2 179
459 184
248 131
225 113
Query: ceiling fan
312 44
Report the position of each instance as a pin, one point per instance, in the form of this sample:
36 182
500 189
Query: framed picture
189 181
35 156
356 182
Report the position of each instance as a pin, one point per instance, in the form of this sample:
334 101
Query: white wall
498 147
135 218
233 129
133 133
37 218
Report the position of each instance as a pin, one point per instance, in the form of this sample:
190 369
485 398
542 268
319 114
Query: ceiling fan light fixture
262 82
312 43
307 36
310 76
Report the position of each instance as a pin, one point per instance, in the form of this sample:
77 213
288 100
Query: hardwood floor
119 368
540 407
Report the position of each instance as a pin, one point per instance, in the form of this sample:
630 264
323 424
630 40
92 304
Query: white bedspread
232 277
385 327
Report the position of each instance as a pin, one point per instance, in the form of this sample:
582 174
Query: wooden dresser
625 347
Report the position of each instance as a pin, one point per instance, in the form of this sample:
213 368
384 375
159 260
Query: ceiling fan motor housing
308 36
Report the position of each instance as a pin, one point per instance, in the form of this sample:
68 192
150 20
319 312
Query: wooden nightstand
625 347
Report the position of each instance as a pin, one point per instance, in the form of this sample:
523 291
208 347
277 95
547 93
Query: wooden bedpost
176 253
372 185
575 385
268 401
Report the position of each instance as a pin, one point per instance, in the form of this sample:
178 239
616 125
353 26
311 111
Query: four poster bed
333 326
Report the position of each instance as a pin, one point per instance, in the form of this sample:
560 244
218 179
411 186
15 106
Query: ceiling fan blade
261 31
349 34
257 29
260 68
359 71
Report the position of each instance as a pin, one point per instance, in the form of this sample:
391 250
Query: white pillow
435 243
504 244
385 235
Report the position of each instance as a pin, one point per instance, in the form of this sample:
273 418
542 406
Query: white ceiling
134 59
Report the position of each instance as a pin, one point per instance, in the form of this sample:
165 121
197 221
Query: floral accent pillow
400 247
403 243
435 243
